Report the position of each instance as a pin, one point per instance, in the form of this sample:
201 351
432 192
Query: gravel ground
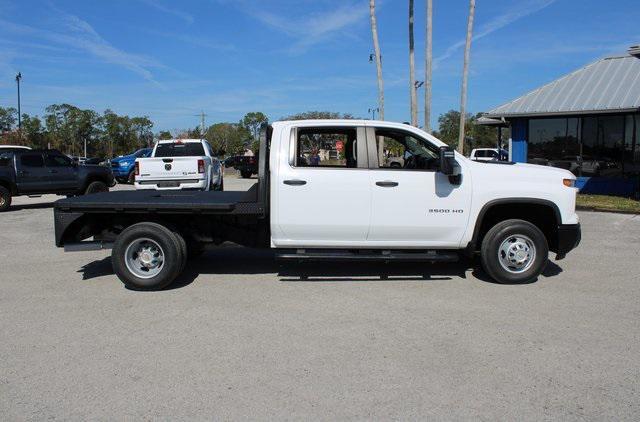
240 337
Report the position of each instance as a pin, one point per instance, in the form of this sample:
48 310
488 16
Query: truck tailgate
169 168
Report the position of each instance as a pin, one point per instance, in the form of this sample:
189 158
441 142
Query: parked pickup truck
38 172
123 167
179 164
247 165
437 206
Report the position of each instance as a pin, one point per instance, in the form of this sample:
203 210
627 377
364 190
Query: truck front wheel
514 252
147 256
5 198
245 174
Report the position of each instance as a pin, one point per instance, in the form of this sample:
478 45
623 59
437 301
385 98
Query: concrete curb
596 209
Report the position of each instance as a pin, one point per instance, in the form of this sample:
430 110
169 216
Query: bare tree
427 68
465 74
376 50
412 70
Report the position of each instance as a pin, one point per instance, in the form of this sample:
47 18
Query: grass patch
608 203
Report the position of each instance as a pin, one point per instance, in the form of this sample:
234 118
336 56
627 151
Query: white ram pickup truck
179 164
323 194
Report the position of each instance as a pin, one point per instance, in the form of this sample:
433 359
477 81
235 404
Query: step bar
368 255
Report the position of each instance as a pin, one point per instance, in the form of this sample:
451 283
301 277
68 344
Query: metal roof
609 85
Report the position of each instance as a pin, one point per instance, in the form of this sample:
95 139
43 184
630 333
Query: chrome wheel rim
144 258
2 200
516 253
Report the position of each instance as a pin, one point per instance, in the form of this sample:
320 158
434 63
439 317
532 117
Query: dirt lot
240 337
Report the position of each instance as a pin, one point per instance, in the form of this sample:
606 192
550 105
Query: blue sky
171 59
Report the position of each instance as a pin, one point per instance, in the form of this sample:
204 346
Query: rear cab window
326 147
6 159
177 149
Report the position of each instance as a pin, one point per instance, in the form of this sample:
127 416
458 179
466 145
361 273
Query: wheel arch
541 212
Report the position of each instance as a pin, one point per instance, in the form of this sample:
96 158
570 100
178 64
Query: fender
507 201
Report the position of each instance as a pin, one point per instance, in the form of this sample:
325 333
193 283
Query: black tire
173 256
96 187
5 198
220 187
245 174
183 249
521 239
131 179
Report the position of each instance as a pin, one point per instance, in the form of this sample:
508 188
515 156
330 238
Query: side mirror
447 160
448 165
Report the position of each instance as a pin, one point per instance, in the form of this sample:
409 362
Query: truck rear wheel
514 252
5 198
95 187
245 174
147 256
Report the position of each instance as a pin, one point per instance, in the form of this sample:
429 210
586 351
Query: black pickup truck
247 165
39 172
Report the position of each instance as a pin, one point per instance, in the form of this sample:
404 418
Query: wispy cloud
313 28
519 11
166 9
80 35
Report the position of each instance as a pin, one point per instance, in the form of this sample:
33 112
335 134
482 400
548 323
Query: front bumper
569 236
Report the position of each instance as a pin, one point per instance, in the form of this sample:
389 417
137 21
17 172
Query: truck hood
124 158
521 170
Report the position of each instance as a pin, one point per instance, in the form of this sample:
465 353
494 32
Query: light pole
18 79
373 112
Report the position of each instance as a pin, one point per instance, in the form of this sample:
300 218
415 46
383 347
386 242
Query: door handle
295 182
53 171
387 184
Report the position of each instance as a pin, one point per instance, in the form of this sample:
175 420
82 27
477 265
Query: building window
606 146
554 142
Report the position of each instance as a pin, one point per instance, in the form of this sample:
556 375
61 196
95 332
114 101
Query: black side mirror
448 164
447 160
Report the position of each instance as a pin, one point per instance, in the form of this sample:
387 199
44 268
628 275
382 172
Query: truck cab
327 191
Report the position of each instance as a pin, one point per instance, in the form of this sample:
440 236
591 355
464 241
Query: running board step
368 255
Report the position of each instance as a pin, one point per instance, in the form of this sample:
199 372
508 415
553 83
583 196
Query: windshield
189 149
142 152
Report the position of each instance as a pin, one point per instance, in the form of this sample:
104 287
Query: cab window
402 150
326 147
32 160
54 160
6 159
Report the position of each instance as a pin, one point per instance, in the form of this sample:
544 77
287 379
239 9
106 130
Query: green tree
228 138
253 121
477 136
164 135
8 118
33 131
319 115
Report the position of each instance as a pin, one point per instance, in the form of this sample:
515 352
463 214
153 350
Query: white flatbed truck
321 194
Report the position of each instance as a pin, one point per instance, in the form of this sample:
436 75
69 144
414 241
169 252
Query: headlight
125 164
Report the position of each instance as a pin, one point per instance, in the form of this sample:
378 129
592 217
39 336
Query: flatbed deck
146 201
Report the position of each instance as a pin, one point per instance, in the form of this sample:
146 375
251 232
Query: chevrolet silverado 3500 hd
324 194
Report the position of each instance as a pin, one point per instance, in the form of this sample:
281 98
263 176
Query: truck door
62 173
412 203
32 175
322 193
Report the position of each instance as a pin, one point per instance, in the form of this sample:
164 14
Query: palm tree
376 50
427 69
412 70
465 74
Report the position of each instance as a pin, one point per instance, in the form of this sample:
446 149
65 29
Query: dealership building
587 122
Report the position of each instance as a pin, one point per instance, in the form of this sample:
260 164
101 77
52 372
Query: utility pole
202 115
373 112
18 79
